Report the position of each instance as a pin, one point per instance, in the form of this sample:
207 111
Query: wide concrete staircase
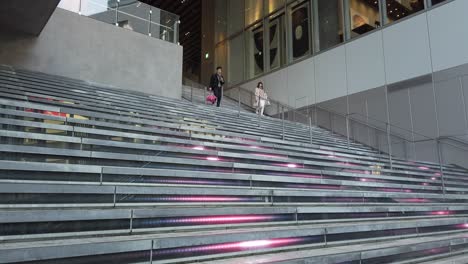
91 174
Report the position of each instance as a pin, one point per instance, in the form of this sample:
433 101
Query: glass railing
395 142
129 14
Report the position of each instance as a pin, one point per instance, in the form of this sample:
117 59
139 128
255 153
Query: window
364 16
254 51
329 25
277 41
299 32
398 9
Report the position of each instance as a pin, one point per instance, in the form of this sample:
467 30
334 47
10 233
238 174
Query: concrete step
396 251
241 241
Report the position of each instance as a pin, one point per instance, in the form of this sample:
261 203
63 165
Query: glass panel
70 5
300 38
330 23
236 60
397 9
253 11
168 26
134 16
101 10
364 16
277 44
274 5
254 51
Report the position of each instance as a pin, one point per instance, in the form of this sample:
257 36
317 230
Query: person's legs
262 106
219 100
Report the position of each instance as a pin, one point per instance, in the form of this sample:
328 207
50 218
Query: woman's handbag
211 98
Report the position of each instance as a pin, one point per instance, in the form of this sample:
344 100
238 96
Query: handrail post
282 117
316 115
439 157
389 142
310 130
258 117
278 109
251 99
150 12
239 101
204 95
191 94
117 13
347 130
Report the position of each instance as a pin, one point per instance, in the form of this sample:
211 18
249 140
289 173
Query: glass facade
258 36
398 9
254 51
364 16
277 41
299 40
329 23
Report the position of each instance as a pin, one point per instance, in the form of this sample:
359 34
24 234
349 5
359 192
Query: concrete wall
80 47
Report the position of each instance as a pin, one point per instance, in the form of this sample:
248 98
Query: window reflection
364 16
277 44
398 9
330 22
299 15
254 50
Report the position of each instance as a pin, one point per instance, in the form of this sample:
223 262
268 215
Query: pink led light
423 168
256 243
440 213
413 200
306 176
363 180
227 219
437 174
331 156
290 165
267 243
464 225
433 178
212 158
254 147
198 148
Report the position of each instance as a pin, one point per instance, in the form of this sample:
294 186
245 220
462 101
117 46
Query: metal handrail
349 118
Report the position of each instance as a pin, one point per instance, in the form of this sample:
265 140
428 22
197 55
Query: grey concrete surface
80 47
